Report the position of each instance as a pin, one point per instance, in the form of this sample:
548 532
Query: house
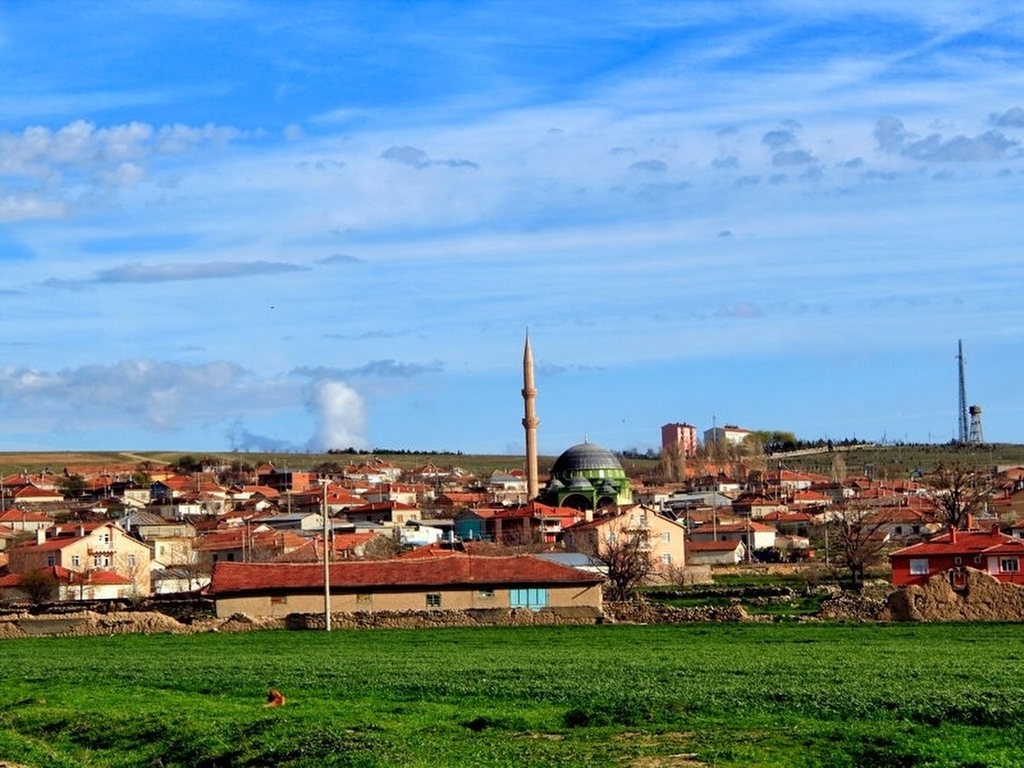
507 487
715 552
904 523
348 545
416 533
299 522
476 524
287 480
730 434
172 542
755 535
24 521
32 494
85 549
7 537
393 512
68 585
990 551
247 544
532 523
756 506
664 537
790 523
452 582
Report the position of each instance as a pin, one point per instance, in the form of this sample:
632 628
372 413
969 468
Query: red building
679 437
992 552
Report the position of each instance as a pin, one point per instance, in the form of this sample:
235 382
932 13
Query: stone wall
469 617
981 598
643 612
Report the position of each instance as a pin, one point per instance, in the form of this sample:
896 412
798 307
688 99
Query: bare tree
673 463
625 554
959 492
41 586
858 534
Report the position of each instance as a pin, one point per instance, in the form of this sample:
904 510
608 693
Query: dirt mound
977 596
81 623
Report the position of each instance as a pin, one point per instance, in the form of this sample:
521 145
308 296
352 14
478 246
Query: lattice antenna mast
964 433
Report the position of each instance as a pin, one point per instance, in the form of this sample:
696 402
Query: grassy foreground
724 695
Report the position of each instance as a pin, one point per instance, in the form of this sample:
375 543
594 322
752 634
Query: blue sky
244 225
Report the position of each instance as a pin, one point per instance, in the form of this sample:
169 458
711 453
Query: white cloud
340 417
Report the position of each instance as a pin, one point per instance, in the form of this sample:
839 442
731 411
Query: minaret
530 422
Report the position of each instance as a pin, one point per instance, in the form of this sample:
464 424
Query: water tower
975 437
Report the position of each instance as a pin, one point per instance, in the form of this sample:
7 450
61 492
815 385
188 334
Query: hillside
892 461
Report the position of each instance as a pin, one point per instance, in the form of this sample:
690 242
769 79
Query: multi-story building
681 438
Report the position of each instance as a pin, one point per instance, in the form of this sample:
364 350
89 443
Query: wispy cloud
389 369
417 158
165 273
894 138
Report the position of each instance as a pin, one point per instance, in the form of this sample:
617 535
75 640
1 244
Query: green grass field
724 695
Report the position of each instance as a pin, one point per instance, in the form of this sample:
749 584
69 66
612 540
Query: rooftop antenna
964 435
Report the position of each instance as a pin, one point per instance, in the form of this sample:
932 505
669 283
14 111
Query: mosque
585 477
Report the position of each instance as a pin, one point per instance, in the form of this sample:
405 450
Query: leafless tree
673 463
858 536
959 493
40 586
626 555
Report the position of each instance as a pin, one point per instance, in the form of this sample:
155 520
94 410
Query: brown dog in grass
274 698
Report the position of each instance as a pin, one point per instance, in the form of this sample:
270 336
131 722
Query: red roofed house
455 582
715 552
247 543
664 538
754 535
24 521
993 552
384 512
91 551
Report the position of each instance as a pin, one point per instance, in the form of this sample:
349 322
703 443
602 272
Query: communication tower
963 434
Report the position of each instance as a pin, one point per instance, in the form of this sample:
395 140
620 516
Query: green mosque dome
587 476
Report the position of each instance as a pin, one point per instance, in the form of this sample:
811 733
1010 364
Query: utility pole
327 558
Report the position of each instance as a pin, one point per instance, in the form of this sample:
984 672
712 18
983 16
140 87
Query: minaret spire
530 422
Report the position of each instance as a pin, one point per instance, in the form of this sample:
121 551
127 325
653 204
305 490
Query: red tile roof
19 515
712 546
968 542
459 569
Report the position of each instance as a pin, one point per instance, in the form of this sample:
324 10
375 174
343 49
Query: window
666 559
534 598
131 561
666 537
278 599
919 566
485 593
977 559
957 560
50 561
1009 565
433 600
363 598
76 561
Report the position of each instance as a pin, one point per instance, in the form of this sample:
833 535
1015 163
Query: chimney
952 535
40 535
